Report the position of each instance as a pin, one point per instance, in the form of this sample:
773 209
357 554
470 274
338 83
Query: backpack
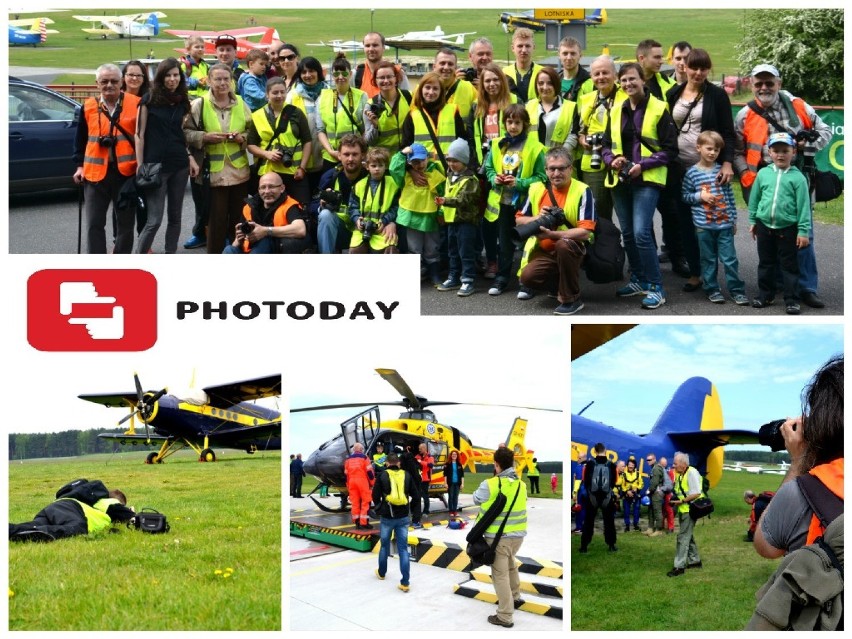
600 484
605 256
396 496
83 490
806 591
826 185
668 483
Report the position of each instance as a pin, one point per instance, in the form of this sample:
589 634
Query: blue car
42 127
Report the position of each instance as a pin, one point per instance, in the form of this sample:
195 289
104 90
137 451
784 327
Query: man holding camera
331 209
106 159
274 222
777 111
564 219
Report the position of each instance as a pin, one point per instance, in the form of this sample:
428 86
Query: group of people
360 162
799 514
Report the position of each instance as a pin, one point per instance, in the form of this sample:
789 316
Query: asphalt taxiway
333 588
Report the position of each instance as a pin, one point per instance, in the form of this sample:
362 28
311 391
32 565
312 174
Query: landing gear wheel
152 458
207 455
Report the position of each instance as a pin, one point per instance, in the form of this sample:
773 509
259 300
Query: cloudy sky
759 370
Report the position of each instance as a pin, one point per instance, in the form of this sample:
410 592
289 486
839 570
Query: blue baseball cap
781 138
418 152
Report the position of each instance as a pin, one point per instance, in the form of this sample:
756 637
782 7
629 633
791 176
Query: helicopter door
363 428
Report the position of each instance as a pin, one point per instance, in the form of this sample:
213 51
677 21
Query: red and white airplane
268 36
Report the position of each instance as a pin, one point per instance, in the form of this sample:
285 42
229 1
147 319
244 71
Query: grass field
223 516
640 596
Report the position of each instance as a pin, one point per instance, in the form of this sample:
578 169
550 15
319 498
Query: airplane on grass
346 46
134 25
222 415
515 20
29 31
416 425
434 39
268 36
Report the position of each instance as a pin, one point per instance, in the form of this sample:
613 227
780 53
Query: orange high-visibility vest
96 156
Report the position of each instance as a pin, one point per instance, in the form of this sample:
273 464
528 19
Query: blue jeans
329 226
808 276
263 245
453 497
635 205
399 527
718 244
462 250
630 506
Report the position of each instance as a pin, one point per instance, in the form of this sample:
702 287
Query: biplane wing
245 32
234 437
227 395
112 400
133 439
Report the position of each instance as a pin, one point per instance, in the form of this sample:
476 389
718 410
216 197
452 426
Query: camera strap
370 192
754 106
428 121
348 111
555 203
279 127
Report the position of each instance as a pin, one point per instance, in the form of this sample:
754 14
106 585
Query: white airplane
738 467
135 25
428 39
340 45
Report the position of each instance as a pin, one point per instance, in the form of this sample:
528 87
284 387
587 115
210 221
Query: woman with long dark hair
304 94
160 138
134 78
454 474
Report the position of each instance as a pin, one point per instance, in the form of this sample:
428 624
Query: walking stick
79 218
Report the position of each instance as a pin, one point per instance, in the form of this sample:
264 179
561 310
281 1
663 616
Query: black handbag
827 186
148 175
700 507
478 548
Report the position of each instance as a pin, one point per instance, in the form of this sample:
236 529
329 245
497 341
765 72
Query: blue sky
759 370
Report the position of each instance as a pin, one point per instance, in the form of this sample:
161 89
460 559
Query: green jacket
781 198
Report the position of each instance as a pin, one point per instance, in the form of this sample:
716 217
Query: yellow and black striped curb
448 555
546 610
546 590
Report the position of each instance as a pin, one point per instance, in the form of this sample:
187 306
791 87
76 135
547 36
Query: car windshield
30 104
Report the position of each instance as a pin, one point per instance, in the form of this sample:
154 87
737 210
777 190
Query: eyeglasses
764 83
340 74
557 169
650 461
288 58
106 82
133 75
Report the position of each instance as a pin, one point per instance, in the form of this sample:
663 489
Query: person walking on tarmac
504 570
359 483
410 466
533 474
393 491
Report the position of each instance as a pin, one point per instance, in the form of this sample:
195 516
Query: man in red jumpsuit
359 482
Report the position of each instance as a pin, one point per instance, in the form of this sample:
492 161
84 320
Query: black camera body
595 140
246 227
624 173
376 108
770 435
368 227
332 199
550 220
470 74
106 141
286 155
809 150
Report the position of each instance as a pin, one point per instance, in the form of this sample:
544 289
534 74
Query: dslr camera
246 227
809 150
332 199
624 173
286 155
770 435
106 141
377 108
470 74
596 142
551 220
368 227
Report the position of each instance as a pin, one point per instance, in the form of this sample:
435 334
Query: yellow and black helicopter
416 425
223 415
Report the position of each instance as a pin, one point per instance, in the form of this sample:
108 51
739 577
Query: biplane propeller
416 425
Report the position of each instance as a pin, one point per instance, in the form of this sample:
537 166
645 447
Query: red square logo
92 310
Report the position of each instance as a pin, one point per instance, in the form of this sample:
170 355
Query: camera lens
770 435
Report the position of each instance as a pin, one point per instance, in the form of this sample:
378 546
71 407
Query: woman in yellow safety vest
553 119
639 143
386 112
279 137
493 96
341 111
432 120
218 124
304 94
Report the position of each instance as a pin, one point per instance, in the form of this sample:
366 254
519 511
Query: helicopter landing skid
326 509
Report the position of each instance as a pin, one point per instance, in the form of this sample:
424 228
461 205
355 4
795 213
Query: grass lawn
224 515
720 596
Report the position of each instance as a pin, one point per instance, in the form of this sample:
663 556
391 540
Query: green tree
805 45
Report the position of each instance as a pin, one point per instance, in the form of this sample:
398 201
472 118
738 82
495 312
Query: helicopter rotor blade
401 386
347 405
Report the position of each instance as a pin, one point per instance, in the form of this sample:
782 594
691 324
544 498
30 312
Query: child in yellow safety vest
373 207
